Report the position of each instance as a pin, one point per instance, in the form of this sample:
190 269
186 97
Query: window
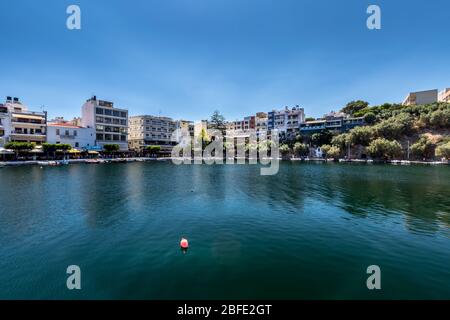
123 122
98 110
123 138
108 112
100 128
108 137
99 136
99 119
67 132
115 137
116 114
57 132
77 144
123 114
75 133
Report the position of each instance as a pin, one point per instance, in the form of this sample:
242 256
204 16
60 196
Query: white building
444 95
286 121
65 133
24 125
5 125
149 130
110 123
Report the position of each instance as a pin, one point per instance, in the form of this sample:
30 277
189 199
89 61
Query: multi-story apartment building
338 122
110 123
249 123
261 121
444 95
24 125
421 97
286 121
5 125
149 130
66 133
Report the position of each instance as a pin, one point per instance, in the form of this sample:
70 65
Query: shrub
384 149
331 151
284 149
443 150
423 148
370 118
301 149
361 135
341 140
440 118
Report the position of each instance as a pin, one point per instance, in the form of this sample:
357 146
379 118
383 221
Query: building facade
110 123
421 97
337 122
444 95
24 125
261 122
286 121
5 125
149 130
65 133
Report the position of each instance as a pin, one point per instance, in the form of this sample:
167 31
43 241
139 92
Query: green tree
384 149
111 148
301 149
334 152
320 138
423 148
443 150
309 119
355 106
370 118
217 120
440 118
153 150
342 140
285 150
204 139
394 127
19 147
361 135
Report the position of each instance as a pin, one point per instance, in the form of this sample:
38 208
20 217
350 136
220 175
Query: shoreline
147 159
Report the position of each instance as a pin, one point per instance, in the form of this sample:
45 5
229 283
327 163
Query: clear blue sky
186 58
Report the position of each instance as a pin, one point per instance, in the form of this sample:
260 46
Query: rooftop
61 124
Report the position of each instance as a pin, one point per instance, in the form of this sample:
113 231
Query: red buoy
184 244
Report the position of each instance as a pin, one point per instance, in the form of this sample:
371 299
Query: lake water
309 232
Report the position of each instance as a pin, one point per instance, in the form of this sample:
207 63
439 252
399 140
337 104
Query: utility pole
408 150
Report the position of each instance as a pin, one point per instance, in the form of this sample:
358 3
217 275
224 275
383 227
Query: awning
36 151
74 151
6 151
28 116
92 152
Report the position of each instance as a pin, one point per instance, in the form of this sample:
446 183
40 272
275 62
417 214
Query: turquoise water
308 232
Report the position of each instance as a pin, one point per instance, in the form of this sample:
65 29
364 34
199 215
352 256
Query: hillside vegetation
392 128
